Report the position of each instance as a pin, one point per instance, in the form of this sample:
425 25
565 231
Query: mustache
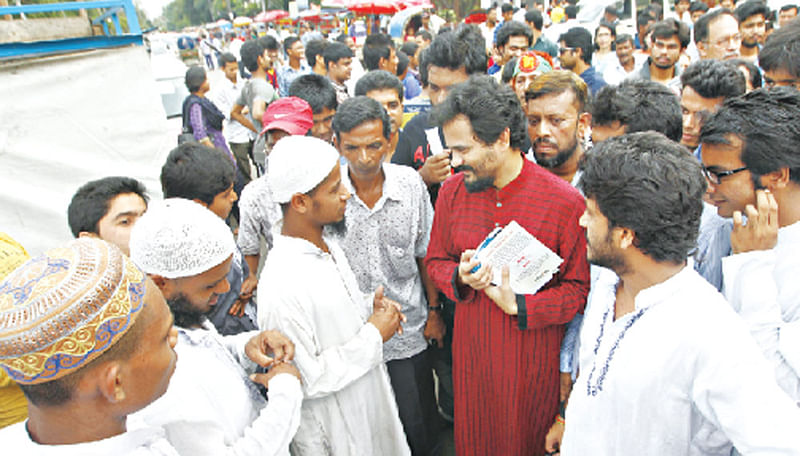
462 168
549 142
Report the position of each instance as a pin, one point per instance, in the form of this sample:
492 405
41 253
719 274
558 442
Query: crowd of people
310 285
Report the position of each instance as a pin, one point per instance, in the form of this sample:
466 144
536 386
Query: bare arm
238 115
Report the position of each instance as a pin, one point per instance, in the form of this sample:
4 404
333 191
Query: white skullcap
297 164
179 238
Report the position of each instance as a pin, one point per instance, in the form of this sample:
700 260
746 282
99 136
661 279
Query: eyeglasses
716 176
565 50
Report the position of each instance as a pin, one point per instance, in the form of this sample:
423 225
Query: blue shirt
593 79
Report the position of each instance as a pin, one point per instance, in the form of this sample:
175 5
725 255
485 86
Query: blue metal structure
112 9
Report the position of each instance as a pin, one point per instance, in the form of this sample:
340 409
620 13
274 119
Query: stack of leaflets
531 263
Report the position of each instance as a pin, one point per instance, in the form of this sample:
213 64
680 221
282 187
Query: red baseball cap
291 114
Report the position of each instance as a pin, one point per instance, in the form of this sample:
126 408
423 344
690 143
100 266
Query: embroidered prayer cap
12 255
290 114
297 164
533 62
64 308
180 238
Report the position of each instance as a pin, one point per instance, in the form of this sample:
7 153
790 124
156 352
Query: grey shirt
382 245
257 89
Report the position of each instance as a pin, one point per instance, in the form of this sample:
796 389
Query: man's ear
584 124
626 237
504 140
701 49
776 180
300 203
87 234
103 380
163 284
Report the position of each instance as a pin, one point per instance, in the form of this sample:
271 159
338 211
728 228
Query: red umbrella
269 16
365 7
475 17
420 3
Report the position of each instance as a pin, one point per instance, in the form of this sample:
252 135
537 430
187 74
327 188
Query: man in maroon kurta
505 346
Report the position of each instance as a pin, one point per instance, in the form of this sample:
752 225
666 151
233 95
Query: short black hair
768 123
624 38
410 48
313 49
490 108
698 6
668 28
782 50
643 19
196 171
534 16
376 47
639 105
335 52
250 51
462 48
753 72
559 81
378 80
357 110
513 28
506 7
580 38
571 11
194 78
422 67
93 200
289 42
751 8
425 35
402 63
269 42
714 78
507 73
649 184
226 58
59 391
611 9
702 24
316 90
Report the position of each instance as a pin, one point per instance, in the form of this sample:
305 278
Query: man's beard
663 67
607 258
186 316
559 159
750 45
479 184
339 229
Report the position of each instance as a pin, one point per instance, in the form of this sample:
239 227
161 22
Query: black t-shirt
413 148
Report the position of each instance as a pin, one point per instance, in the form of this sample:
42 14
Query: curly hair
714 79
649 184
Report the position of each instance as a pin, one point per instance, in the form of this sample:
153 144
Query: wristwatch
437 308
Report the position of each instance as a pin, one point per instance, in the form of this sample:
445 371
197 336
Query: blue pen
493 234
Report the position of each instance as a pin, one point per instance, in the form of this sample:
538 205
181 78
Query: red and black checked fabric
506 380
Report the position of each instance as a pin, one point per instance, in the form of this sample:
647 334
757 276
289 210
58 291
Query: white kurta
211 407
313 298
762 287
136 442
680 375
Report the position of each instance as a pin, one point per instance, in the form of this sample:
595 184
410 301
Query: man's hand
552 441
386 315
477 280
565 386
248 287
206 142
237 309
435 328
436 169
280 368
503 296
761 231
269 342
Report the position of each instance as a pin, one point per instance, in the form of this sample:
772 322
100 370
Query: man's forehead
712 153
724 24
443 76
383 95
553 103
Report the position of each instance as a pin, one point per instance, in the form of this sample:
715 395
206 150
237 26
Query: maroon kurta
505 377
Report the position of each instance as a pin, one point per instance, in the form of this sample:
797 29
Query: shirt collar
391 188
